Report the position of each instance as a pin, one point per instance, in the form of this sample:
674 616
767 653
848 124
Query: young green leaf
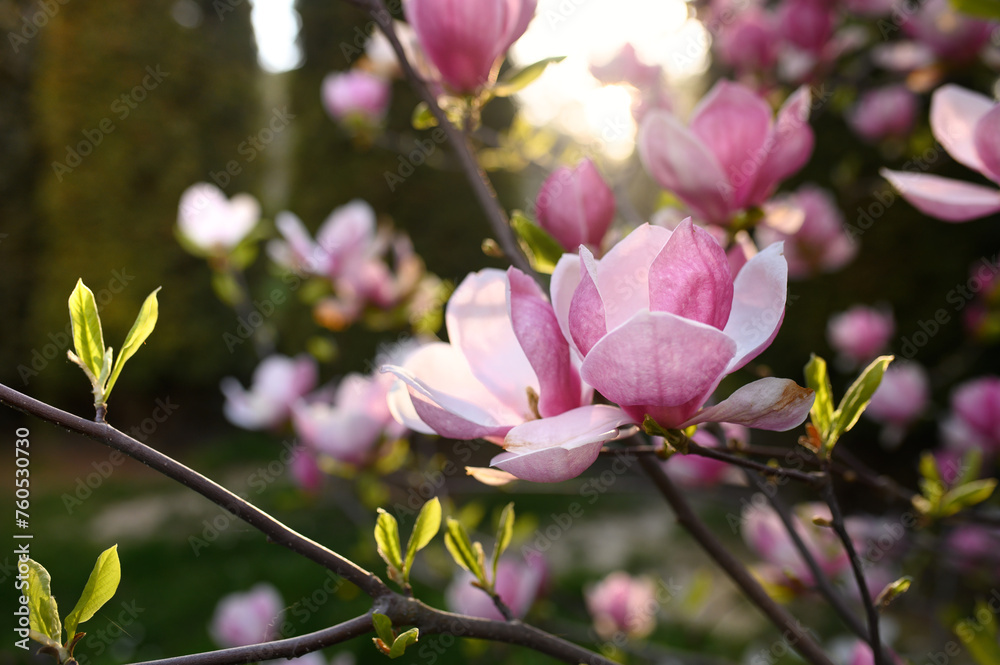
43 612
516 81
387 540
456 539
143 326
101 586
972 464
422 117
819 381
88 339
855 401
543 249
505 531
892 591
966 496
404 640
383 628
424 529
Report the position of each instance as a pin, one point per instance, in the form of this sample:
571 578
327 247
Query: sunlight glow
276 26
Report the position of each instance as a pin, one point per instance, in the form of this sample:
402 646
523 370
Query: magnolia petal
759 292
402 410
955 112
987 140
623 273
683 164
479 325
944 198
347 233
537 330
658 359
565 279
690 277
562 447
771 404
586 310
793 139
491 477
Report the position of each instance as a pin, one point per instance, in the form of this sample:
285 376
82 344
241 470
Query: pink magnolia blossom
765 533
464 38
806 24
902 396
576 206
860 333
621 603
211 222
883 112
749 42
518 583
242 619
304 470
278 382
967 124
506 376
660 321
356 94
972 547
626 67
820 243
732 154
975 416
950 34
343 242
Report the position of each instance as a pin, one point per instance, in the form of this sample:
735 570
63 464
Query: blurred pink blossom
733 152
304 470
621 603
356 94
626 67
975 416
749 42
764 532
576 206
242 619
860 333
806 24
278 382
902 396
518 583
882 112
950 34
212 223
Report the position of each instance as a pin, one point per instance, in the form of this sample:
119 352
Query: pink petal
479 325
771 404
449 399
562 447
944 198
402 409
683 164
623 273
347 233
987 142
565 279
758 304
734 123
690 277
657 361
955 112
791 145
537 330
586 310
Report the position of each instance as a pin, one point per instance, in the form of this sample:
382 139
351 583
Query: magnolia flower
660 321
576 206
507 376
304 470
975 416
212 223
626 67
242 619
967 124
464 38
947 32
902 396
732 154
343 242
518 584
860 333
278 382
806 24
621 603
765 533
887 111
749 41
820 244
356 94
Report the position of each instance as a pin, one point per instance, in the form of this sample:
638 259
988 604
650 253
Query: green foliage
892 591
466 554
388 543
516 80
831 424
541 248
426 527
387 641
43 612
101 586
937 499
505 531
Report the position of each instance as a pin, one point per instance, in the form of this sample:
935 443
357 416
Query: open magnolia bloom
660 321
967 124
506 376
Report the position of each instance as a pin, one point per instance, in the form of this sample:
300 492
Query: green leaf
424 529
88 339
383 628
855 401
972 464
515 81
966 496
505 531
422 117
456 539
387 540
987 9
892 591
43 613
819 381
929 468
101 586
542 248
404 640
109 355
143 326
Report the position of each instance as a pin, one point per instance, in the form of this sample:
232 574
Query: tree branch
794 633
